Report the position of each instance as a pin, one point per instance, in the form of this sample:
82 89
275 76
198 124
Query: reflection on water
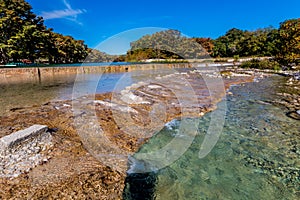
256 157
60 87
30 93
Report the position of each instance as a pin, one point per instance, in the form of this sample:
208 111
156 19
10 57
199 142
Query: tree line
283 44
23 35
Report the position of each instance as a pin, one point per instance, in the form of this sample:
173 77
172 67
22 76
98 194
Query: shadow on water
140 186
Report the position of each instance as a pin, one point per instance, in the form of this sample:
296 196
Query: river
256 156
60 87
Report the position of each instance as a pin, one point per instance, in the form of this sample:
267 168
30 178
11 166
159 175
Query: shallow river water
30 93
256 157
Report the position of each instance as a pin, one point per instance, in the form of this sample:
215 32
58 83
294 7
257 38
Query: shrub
236 58
261 64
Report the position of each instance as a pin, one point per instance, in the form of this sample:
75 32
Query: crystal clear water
256 157
94 64
60 87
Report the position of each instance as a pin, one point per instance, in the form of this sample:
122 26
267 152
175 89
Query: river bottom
256 156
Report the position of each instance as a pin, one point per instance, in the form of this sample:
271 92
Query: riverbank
74 171
289 93
36 74
40 74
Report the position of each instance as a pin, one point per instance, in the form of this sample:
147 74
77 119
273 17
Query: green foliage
169 44
16 20
98 56
227 45
289 48
66 49
236 57
170 61
261 64
277 67
282 43
262 42
24 36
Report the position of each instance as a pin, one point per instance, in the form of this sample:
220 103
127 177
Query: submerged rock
297 76
72 168
293 115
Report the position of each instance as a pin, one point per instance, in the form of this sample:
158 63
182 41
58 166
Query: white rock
116 106
20 136
19 151
154 86
131 98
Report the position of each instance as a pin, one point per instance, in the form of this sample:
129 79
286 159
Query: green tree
64 49
95 55
289 34
227 45
24 36
272 45
13 15
252 43
27 43
169 44
261 42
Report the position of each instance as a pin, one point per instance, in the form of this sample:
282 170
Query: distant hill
95 55
169 44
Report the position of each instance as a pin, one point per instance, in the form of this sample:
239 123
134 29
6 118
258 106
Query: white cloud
67 4
68 13
56 14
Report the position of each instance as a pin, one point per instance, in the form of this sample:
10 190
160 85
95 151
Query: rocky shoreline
73 170
291 97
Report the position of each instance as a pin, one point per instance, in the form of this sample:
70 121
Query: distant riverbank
38 74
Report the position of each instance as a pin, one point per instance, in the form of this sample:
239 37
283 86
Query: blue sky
94 21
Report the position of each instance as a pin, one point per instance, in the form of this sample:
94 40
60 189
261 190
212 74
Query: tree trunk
4 58
31 58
